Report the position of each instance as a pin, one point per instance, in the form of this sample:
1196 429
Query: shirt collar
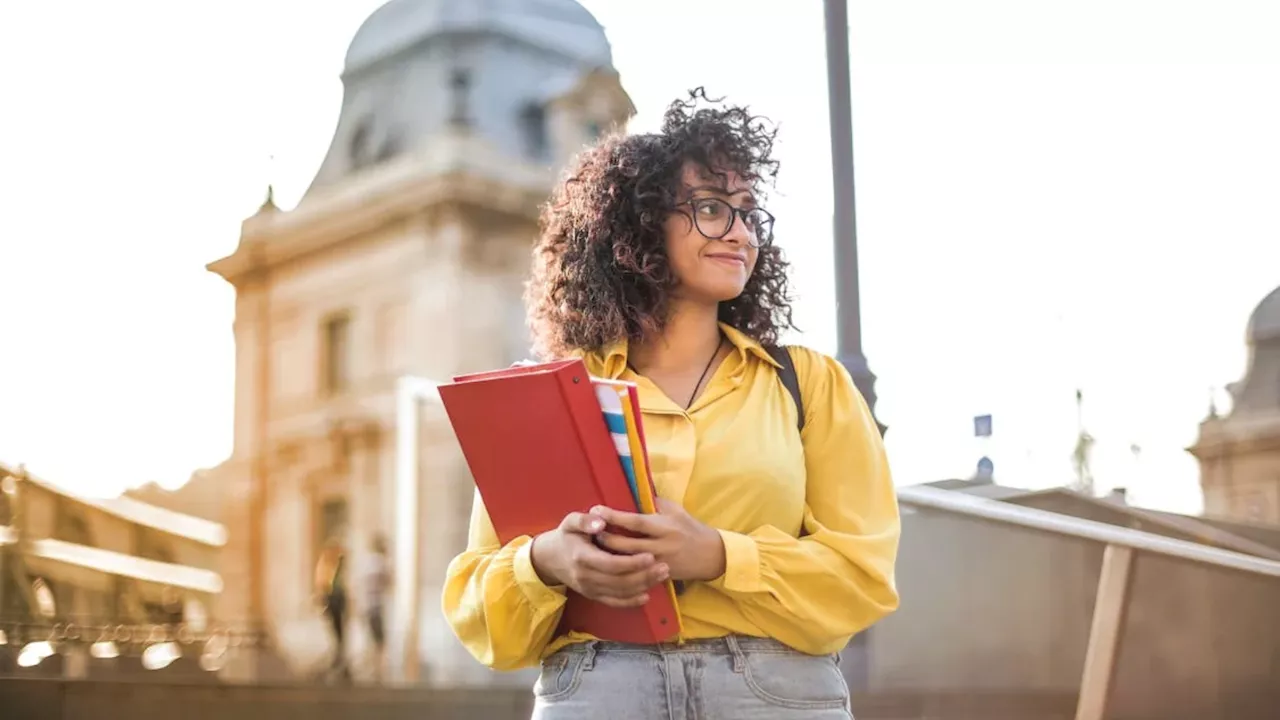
611 361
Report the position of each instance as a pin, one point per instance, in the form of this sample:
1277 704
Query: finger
650 525
624 586
582 523
623 544
603 562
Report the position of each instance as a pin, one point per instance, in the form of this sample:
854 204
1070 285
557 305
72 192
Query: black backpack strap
791 381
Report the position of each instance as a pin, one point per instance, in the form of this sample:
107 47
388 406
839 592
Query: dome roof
562 26
1264 323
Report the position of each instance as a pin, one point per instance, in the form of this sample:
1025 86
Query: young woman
657 265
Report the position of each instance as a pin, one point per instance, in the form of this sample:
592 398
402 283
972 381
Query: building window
151 545
360 147
46 597
533 122
459 97
70 524
336 359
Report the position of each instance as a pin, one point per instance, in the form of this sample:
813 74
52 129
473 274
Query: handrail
986 509
115 563
135 511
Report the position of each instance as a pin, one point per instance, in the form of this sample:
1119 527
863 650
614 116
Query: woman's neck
691 336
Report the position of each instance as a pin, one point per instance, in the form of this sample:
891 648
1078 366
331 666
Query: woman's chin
709 293
722 294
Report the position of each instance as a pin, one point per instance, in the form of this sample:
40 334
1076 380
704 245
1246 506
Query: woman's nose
738 232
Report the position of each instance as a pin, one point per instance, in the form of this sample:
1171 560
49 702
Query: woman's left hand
692 550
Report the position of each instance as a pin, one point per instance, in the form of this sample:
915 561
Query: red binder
538 448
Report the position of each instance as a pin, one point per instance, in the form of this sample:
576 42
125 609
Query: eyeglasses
714 218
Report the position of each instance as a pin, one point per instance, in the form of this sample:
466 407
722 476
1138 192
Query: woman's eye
710 209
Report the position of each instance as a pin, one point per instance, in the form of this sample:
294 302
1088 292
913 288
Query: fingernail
596 525
663 570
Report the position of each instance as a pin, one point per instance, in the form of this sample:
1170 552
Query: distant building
1239 453
89 585
406 256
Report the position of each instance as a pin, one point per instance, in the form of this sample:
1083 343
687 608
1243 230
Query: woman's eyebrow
723 192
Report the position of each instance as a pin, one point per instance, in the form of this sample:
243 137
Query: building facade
405 257
1239 453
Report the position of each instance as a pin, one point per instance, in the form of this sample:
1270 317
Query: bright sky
1051 195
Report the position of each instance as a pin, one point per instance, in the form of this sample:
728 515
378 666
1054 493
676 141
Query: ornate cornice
1236 436
455 170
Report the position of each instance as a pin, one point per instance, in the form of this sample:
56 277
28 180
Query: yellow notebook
639 456
644 480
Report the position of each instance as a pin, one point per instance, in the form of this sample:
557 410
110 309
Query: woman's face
708 269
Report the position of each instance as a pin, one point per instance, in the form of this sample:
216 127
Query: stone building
1239 453
100 588
405 257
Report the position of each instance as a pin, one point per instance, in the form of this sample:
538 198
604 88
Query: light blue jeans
734 678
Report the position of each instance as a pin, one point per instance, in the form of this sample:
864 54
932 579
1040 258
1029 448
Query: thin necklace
701 377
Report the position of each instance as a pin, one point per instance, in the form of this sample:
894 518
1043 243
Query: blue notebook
616 420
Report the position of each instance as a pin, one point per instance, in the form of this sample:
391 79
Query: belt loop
739 659
589 661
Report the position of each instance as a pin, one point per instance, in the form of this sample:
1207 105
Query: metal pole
848 304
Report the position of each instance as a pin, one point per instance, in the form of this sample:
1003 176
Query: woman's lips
728 258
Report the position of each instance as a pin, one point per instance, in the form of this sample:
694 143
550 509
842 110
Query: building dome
561 26
487 70
1264 323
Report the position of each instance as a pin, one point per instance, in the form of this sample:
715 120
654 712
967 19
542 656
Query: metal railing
987 509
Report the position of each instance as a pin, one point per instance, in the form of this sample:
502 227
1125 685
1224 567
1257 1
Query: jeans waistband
733 645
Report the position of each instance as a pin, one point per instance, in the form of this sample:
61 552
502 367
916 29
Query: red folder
538 448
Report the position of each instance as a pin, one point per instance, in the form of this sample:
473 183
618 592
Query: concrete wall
987 607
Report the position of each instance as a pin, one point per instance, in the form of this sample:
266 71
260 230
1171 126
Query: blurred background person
331 594
376 583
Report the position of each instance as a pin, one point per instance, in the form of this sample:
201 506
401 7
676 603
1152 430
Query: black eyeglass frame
762 239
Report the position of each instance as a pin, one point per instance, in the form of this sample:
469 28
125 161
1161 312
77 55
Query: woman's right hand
568 556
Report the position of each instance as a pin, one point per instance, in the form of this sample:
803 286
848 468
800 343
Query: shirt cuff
741 563
538 593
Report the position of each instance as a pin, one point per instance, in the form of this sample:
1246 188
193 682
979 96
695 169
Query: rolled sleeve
495 602
741 564
538 593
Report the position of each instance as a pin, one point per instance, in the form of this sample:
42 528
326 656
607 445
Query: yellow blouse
810 528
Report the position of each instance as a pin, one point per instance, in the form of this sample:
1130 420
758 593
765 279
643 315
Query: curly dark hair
600 268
